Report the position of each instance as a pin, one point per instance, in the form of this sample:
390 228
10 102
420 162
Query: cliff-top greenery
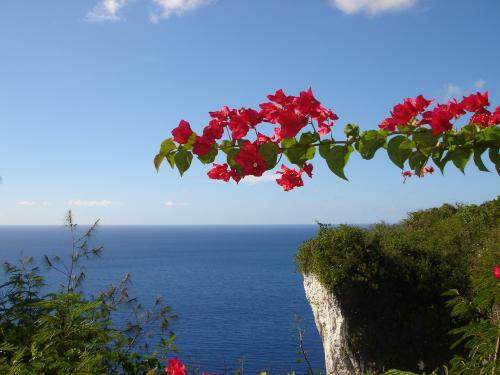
390 280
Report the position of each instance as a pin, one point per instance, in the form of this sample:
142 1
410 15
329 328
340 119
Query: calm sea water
234 288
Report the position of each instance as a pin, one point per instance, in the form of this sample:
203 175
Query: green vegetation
390 281
64 331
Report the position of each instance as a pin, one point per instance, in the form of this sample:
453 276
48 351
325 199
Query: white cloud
479 84
171 204
25 203
268 176
453 91
169 7
106 10
92 203
372 7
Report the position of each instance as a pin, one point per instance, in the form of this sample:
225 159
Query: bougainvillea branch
417 132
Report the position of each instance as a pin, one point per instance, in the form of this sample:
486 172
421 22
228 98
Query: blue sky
88 90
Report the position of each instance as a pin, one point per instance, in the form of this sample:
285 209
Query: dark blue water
234 288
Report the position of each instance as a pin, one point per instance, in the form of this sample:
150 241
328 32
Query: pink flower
496 272
404 112
475 102
290 178
219 172
202 145
182 132
175 367
308 168
250 161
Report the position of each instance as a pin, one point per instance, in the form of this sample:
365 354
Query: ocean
234 288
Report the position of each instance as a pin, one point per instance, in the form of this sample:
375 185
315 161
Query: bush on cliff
390 280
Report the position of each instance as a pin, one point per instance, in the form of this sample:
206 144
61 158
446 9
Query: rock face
332 327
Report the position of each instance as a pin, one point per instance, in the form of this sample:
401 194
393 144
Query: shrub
390 280
66 332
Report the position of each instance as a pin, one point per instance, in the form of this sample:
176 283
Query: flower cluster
415 133
291 178
176 367
439 119
290 114
426 170
496 272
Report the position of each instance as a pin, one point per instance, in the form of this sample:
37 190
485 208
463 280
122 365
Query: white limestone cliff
332 327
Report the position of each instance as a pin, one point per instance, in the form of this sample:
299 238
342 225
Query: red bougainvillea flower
202 145
308 168
241 121
250 161
495 117
476 102
481 118
496 271
407 173
403 113
175 367
455 109
281 98
290 178
214 130
262 138
219 172
426 170
292 113
221 115
182 132
439 119
409 109
235 175
291 123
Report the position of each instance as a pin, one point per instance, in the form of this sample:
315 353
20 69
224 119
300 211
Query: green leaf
298 155
191 140
423 137
230 159
437 158
269 152
459 157
351 130
417 161
288 142
455 139
491 136
337 159
171 159
308 137
425 141
158 160
226 146
324 149
210 157
398 154
166 146
495 158
369 143
183 160
477 159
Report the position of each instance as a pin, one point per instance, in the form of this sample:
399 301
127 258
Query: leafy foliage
63 331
